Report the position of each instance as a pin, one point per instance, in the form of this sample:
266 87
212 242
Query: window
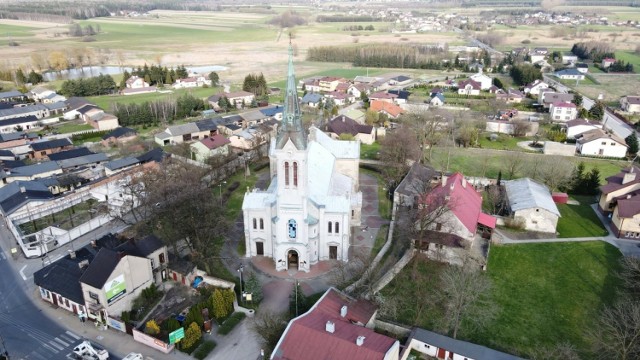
153 264
43 153
604 143
337 227
295 174
613 144
261 224
438 226
161 258
286 174
353 213
94 296
292 229
329 227
254 224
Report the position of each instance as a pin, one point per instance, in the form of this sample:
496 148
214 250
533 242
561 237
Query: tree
466 297
513 163
191 336
429 126
20 77
577 99
597 111
58 61
525 73
172 325
194 316
371 117
520 128
397 150
269 327
255 84
630 276
229 298
34 78
497 83
632 143
215 79
151 327
220 309
617 332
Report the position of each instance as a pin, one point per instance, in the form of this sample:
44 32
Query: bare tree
398 150
556 174
465 293
630 276
513 162
562 351
617 332
429 126
269 326
520 128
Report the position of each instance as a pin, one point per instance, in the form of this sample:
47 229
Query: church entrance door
259 248
292 257
333 252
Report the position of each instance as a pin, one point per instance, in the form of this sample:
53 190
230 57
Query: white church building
306 214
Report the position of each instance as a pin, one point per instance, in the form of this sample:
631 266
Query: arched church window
254 223
292 229
337 227
286 173
329 227
295 174
261 224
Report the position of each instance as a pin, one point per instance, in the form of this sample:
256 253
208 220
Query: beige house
619 200
97 118
531 203
136 82
178 134
329 83
240 98
216 145
630 104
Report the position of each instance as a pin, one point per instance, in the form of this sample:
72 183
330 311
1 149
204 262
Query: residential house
536 58
97 118
240 99
630 104
83 162
253 117
596 142
216 145
484 80
391 110
383 96
469 87
52 98
336 327
403 96
548 97
436 346
115 166
191 82
400 80
339 98
177 134
12 96
419 180
56 108
311 84
457 210
343 87
311 99
70 154
32 172
41 149
366 79
136 82
536 87
359 116
38 93
582 67
19 124
329 83
343 125
358 89
569 58
73 105
17 194
274 112
437 99
606 62
251 138
619 200
495 90
569 74
436 91
38 110
578 126
16 139
119 135
563 111
510 96
531 204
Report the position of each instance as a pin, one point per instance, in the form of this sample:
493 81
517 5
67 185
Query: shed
560 198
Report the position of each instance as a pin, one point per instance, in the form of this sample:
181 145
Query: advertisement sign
116 324
176 336
115 289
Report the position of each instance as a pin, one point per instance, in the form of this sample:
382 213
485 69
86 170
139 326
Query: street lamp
241 287
220 191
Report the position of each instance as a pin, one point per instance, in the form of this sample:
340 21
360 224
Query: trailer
87 351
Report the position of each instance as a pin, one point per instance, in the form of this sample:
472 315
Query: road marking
44 344
66 338
22 273
61 342
73 335
55 344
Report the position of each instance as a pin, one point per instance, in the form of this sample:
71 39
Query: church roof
291 128
341 149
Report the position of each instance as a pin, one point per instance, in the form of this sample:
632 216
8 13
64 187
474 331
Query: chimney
629 177
72 254
23 189
343 118
83 264
464 182
444 180
330 327
360 340
94 244
343 311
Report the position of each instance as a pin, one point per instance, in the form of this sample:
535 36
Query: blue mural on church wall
293 228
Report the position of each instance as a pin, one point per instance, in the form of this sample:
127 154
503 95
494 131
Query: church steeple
291 126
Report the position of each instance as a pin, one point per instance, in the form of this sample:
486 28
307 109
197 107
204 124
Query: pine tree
632 143
168 79
229 297
252 286
194 316
191 336
219 306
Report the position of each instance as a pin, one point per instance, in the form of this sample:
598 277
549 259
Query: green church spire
291 126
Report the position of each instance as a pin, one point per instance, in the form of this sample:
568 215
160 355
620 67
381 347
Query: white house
578 126
630 104
469 87
537 57
306 214
484 80
531 204
598 143
535 87
136 82
563 111
570 74
215 145
191 82
240 98
569 58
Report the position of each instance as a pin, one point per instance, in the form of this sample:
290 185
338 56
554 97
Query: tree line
256 84
358 28
156 75
346 18
524 73
595 51
152 113
76 30
99 85
383 55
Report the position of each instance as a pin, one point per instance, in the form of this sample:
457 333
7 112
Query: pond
91 71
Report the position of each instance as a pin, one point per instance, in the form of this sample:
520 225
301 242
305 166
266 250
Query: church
313 201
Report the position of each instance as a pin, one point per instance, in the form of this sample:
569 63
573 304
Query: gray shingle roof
459 347
121 163
100 268
50 144
35 169
18 111
526 193
83 160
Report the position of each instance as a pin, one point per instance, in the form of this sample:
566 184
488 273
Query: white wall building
598 143
306 214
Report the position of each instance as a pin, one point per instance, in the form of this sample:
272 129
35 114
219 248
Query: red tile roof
463 200
215 141
306 337
390 108
563 104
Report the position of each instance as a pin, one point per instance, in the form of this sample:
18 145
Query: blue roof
50 144
311 98
121 163
272 111
459 347
35 169
17 193
70 154
10 94
18 120
439 96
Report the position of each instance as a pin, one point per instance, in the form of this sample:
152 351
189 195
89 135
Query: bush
204 349
231 323
514 224
192 336
152 328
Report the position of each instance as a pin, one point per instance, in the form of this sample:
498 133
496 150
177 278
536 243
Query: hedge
231 322
204 349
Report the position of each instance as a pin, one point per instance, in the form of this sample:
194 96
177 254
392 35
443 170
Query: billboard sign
176 336
115 289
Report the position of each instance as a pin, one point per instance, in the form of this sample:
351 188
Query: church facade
313 201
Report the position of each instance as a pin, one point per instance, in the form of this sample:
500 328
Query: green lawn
70 127
105 101
548 293
12 31
579 220
369 151
504 142
629 57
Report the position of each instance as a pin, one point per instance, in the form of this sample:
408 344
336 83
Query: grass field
579 220
549 293
504 142
71 127
629 57
105 101
369 151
